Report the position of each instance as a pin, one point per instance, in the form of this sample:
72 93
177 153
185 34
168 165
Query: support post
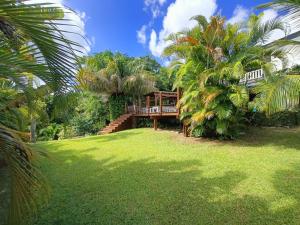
155 123
160 102
134 122
148 104
177 103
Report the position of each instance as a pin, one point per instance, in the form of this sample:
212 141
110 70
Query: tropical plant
211 60
91 114
118 77
281 90
31 42
290 8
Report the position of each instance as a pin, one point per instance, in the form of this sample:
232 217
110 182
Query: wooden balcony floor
164 114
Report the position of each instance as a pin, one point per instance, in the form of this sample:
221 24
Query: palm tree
281 91
211 60
290 8
31 41
139 84
120 78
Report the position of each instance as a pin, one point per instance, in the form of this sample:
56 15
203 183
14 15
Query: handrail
151 110
253 76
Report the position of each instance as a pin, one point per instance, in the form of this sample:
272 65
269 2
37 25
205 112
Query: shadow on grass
277 137
89 191
97 139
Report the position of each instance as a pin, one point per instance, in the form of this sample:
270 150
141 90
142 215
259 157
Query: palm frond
290 8
278 93
38 27
261 32
28 186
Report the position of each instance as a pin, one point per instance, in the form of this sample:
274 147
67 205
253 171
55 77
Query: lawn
145 177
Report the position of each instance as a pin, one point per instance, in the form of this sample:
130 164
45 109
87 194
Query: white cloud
154 47
141 35
154 6
240 14
178 18
153 2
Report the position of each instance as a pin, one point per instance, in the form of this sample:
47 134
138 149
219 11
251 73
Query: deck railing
152 110
252 77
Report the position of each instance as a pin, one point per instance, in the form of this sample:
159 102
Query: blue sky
113 24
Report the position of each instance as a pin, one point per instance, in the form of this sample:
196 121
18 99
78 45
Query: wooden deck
157 104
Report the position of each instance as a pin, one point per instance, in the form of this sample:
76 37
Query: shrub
281 119
67 132
50 132
144 122
116 106
91 115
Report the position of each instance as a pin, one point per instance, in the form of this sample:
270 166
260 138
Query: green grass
145 177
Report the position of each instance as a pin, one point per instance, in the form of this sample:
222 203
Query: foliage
277 93
31 43
91 115
114 74
210 61
50 132
116 105
27 184
121 75
282 91
166 179
12 116
288 8
144 122
67 132
42 48
280 119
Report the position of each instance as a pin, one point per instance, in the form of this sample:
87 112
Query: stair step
115 125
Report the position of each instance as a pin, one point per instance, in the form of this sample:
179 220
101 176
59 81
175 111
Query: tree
281 90
210 61
31 41
118 77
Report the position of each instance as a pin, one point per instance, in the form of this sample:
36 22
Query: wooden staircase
122 123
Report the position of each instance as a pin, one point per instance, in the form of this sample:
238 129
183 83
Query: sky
139 27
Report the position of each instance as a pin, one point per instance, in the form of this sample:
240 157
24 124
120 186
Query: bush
50 132
281 119
67 132
144 122
116 106
91 115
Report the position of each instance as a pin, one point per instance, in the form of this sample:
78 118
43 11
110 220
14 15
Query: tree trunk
140 102
33 130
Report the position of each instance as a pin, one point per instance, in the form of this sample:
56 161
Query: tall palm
139 84
216 56
121 77
31 41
